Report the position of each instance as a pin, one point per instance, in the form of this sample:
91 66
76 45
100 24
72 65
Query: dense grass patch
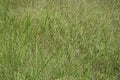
59 40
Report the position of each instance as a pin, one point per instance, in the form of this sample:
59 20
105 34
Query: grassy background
59 40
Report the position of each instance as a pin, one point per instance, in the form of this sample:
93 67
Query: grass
59 40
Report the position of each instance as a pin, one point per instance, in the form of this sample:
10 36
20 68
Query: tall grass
59 40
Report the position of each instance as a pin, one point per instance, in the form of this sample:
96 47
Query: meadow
59 39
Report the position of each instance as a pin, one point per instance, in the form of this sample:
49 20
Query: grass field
59 40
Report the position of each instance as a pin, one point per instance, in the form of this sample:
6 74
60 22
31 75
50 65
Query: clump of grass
54 40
